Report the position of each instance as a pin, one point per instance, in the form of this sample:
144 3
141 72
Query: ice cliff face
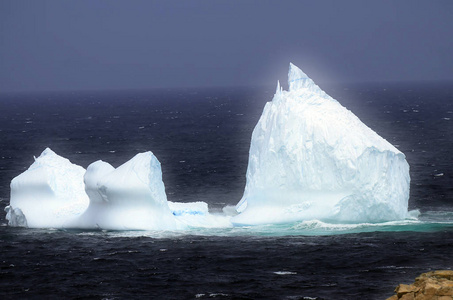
311 158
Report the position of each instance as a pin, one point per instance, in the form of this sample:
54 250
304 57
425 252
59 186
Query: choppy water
202 138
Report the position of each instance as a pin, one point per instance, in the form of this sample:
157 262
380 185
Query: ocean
202 138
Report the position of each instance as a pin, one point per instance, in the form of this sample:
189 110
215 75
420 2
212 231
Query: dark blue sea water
202 137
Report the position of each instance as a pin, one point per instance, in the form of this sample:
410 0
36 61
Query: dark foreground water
103 265
202 138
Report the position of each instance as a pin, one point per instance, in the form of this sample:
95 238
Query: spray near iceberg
312 159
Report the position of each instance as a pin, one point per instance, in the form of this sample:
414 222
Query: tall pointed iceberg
311 158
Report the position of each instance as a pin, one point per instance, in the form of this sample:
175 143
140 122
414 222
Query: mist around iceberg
312 164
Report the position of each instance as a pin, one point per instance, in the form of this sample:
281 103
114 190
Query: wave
429 221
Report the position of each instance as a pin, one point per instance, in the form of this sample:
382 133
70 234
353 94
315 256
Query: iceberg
130 197
54 193
188 209
49 194
197 215
312 159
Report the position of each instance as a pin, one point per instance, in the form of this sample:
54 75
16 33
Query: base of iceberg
197 215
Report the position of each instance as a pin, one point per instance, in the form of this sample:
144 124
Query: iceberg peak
46 152
297 79
311 158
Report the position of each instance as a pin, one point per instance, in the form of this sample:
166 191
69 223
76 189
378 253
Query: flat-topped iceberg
312 159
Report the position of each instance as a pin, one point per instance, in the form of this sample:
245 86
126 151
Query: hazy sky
72 45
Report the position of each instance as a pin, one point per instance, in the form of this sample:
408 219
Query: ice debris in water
312 159
16 217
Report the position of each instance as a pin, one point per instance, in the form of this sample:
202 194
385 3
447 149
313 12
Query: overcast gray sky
73 45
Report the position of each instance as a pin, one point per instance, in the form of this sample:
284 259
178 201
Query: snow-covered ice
312 159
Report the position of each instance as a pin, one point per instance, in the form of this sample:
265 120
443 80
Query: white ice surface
54 193
312 159
49 194
197 215
130 197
